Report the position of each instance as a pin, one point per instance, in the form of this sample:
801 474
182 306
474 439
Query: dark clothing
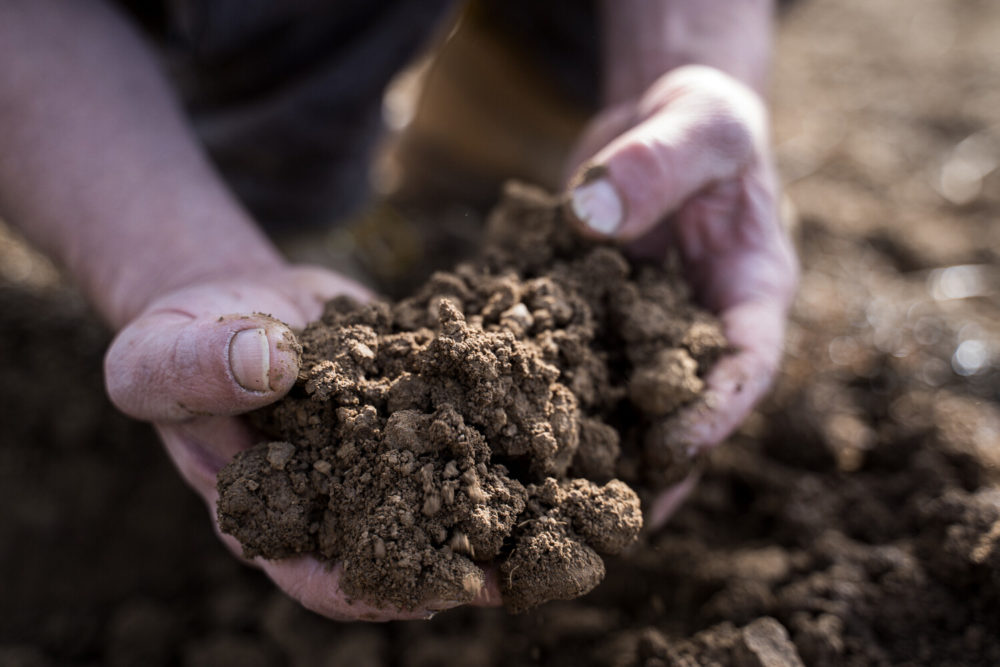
287 95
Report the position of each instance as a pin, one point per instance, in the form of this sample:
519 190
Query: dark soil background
854 520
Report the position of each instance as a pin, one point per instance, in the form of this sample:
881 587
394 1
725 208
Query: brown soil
851 522
476 421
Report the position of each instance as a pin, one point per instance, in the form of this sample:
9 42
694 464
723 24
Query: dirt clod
475 421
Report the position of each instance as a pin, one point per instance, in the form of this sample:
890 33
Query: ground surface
853 521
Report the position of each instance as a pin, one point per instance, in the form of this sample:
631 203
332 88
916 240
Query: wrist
99 165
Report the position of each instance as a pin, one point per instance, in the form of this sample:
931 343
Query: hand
688 165
198 357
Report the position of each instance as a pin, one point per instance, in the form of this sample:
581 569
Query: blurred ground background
855 519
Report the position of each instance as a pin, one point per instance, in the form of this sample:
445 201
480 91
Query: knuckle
644 160
730 136
730 117
694 78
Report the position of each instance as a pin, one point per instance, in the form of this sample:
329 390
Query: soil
852 521
443 430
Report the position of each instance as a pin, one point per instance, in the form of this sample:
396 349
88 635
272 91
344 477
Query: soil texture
478 420
852 521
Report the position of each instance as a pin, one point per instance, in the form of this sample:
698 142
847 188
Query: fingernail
597 205
250 359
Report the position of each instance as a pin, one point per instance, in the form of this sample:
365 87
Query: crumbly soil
857 508
477 421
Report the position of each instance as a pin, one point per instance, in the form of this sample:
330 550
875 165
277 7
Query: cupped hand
688 166
198 357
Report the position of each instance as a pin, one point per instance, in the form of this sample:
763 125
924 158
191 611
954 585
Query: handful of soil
484 419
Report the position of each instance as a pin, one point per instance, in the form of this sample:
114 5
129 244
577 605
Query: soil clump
480 420
857 507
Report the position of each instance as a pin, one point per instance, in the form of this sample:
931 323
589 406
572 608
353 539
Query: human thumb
696 128
169 365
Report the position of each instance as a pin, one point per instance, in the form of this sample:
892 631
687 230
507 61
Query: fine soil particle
479 420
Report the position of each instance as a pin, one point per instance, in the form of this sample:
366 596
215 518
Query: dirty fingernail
597 205
250 359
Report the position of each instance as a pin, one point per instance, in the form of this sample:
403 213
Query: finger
169 365
738 381
704 133
667 503
598 134
312 287
200 447
734 247
316 586
294 296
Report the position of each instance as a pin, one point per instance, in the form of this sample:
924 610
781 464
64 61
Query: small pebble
279 454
